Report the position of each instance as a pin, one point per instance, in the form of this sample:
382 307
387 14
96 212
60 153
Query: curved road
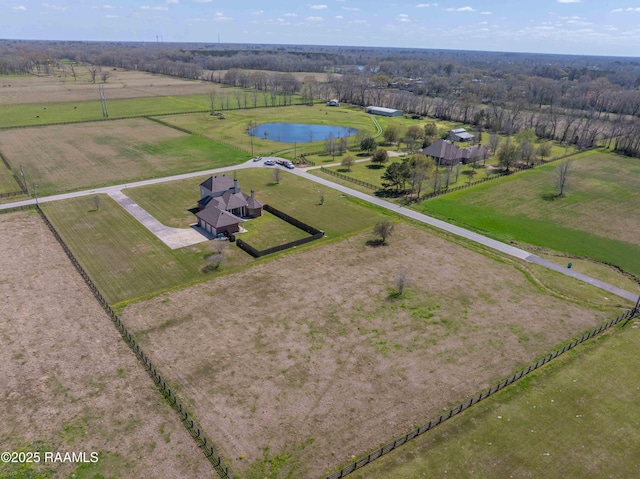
456 230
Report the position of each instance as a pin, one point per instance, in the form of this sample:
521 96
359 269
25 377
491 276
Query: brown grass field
121 84
297 366
69 382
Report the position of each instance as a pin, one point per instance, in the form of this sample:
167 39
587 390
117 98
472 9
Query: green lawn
339 215
598 218
366 171
8 183
269 230
577 417
123 258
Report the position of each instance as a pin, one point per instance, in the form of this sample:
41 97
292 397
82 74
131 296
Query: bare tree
494 141
507 154
277 174
544 150
212 100
96 202
104 76
562 176
401 282
384 229
348 161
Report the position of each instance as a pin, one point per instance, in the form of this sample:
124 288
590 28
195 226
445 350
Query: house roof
218 183
464 135
233 200
474 151
217 217
443 149
252 202
458 130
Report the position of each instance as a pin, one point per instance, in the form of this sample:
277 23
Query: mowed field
72 157
577 417
69 382
294 367
234 129
597 219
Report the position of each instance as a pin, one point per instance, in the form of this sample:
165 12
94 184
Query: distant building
460 134
378 110
222 205
446 153
333 103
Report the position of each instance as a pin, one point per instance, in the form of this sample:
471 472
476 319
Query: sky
582 27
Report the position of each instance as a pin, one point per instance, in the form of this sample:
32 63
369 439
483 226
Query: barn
378 110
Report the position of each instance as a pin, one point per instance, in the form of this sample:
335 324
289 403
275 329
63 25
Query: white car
257 158
269 162
289 165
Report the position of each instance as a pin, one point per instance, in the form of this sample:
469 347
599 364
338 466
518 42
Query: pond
299 132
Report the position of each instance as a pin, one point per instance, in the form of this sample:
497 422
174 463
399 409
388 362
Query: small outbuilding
333 103
460 134
378 110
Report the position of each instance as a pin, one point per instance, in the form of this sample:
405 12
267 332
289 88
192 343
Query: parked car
257 158
289 165
269 162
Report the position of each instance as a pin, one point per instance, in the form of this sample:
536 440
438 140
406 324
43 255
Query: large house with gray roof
446 153
222 205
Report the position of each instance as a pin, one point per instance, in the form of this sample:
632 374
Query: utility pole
35 191
636 308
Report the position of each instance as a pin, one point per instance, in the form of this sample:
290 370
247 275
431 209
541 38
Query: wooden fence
348 178
387 448
187 420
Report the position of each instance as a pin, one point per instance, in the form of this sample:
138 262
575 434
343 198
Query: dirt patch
311 357
120 85
69 382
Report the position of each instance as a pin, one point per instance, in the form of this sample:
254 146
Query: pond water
299 132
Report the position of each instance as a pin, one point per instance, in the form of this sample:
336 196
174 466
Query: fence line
16 208
315 233
348 178
21 182
387 448
187 420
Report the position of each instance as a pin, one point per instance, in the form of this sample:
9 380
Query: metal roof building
378 110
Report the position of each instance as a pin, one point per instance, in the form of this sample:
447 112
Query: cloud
486 13
461 9
351 9
158 9
315 19
221 17
20 8
317 7
630 9
257 12
403 17
111 16
358 22
290 15
426 5
54 7
173 1
107 7
569 1
203 1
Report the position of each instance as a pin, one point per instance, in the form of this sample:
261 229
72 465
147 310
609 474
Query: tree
420 168
104 76
212 101
384 229
331 146
380 156
470 174
368 143
277 174
396 175
391 134
430 130
526 150
507 154
562 176
401 282
348 161
96 202
494 141
544 150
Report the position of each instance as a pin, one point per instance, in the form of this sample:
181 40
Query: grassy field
338 216
266 356
122 257
576 417
8 183
71 157
598 218
233 130
69 382
134 263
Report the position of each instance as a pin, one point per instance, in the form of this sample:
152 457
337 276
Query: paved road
456 230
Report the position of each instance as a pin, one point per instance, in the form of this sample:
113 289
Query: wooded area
578 100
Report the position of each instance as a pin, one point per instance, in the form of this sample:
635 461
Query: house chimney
251 193
236 188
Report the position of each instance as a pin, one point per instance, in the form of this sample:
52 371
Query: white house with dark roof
223 205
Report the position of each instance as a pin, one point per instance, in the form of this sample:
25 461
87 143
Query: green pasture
121 256
576 417
339 214
597 218
113 155
233 129
8 183
49 113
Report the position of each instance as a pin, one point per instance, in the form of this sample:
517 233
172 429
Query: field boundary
22 184
371 186
315 233
387 448
187 420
